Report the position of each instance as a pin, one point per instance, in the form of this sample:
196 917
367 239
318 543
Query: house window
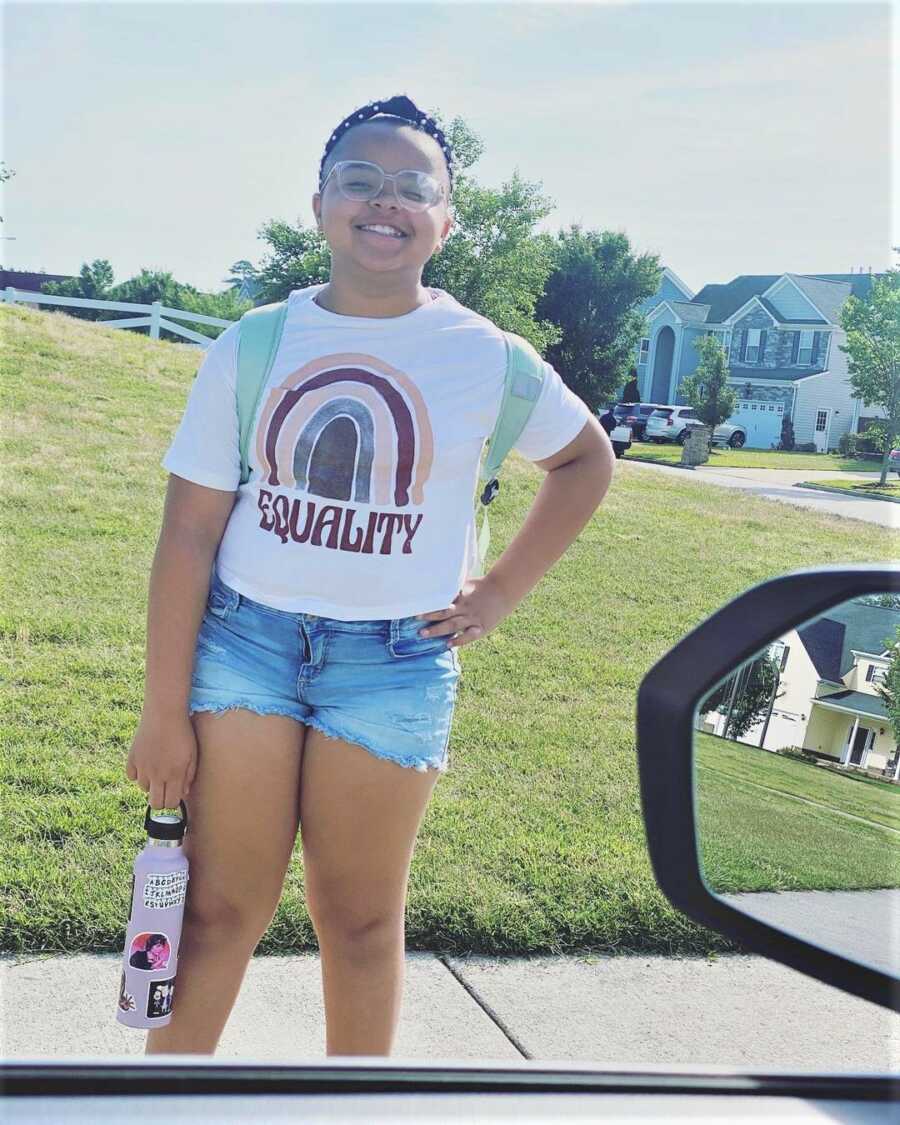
821 421
779 652
806 343
645 350
875 675
752 345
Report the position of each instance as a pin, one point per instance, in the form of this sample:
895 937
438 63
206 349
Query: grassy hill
533 841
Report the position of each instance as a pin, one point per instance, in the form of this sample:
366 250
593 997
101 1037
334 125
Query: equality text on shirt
282 516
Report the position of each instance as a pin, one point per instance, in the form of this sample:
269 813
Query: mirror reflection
797 782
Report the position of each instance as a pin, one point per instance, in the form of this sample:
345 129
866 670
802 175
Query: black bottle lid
166 827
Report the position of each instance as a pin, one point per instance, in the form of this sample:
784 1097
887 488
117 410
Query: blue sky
728 138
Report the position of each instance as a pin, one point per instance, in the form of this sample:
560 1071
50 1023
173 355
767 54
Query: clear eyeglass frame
386 176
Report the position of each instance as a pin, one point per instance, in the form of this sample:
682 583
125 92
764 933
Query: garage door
762 421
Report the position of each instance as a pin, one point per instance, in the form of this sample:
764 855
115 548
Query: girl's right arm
163 756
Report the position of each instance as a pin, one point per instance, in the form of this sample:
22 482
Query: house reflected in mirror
797 782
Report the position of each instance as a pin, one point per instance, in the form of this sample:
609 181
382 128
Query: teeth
385 230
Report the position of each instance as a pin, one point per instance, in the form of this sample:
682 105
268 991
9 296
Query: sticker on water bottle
159 998
150 952
166 890
126 1000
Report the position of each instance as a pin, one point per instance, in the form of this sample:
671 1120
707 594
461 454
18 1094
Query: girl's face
394 149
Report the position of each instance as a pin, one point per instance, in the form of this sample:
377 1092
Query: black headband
398 106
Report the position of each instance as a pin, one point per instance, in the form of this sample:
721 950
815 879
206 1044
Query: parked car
672 423
894 461
635 415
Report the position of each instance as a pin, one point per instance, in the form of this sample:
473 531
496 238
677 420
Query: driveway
779 484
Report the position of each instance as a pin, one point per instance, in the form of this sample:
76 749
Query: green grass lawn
754 839
534 840
721 457
890 488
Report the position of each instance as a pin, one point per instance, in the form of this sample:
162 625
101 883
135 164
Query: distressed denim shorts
376 683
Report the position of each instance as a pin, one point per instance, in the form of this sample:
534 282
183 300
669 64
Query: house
826 700
781 333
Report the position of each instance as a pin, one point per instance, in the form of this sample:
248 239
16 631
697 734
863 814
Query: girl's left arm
576 482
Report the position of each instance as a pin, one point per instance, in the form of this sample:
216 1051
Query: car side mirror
769 774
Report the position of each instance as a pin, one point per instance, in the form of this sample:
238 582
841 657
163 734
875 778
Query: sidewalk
737 1011
780 485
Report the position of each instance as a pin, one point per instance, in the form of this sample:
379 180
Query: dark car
635 414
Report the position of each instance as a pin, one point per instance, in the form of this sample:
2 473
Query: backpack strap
259 334
524 379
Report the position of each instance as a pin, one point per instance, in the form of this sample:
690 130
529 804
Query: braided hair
396 107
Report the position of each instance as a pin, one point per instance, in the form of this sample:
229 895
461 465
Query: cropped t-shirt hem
320 608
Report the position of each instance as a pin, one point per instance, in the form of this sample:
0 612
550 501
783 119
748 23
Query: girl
303 628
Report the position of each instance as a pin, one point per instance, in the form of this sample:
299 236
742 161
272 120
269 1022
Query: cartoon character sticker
159 998
150 952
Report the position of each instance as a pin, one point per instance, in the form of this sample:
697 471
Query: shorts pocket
404 640
220 604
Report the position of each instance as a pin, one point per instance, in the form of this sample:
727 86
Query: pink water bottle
158 891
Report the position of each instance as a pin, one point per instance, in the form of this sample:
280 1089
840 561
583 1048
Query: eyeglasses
361 180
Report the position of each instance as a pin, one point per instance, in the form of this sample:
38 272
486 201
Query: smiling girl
304 624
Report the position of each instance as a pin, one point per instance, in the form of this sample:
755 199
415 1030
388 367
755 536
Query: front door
859 746
820 434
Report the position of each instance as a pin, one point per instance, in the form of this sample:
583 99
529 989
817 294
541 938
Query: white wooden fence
154 320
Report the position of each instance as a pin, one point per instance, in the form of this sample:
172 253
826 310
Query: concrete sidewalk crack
485 1007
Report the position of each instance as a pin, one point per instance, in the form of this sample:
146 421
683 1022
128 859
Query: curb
848 492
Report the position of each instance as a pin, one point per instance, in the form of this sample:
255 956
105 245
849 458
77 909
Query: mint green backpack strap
524 378
259 333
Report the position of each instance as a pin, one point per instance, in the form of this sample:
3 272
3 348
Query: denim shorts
375 683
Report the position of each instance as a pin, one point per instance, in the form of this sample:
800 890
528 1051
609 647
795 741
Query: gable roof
827 291
723 300
689 311
677 282
830 639
827 296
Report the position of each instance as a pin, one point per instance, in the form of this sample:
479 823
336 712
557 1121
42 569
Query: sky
728 138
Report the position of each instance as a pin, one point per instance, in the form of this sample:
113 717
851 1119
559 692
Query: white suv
671 423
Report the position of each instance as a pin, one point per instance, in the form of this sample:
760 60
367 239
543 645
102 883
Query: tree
745 696
492 261
873 356
593 294
889 690
706 388
95 282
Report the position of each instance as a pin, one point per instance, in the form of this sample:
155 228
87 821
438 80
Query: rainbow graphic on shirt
347 427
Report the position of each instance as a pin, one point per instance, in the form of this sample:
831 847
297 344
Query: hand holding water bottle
163 758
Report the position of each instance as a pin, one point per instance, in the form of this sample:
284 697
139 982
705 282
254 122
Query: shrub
805 447
787 433
848 446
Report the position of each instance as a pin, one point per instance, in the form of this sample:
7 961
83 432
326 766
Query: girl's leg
359 818
243 811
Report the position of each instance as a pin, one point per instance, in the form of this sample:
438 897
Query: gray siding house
781 333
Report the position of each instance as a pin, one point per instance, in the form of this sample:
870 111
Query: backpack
259 333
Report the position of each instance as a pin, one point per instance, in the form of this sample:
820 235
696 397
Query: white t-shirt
363 456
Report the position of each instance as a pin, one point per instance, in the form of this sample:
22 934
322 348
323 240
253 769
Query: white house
825 698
